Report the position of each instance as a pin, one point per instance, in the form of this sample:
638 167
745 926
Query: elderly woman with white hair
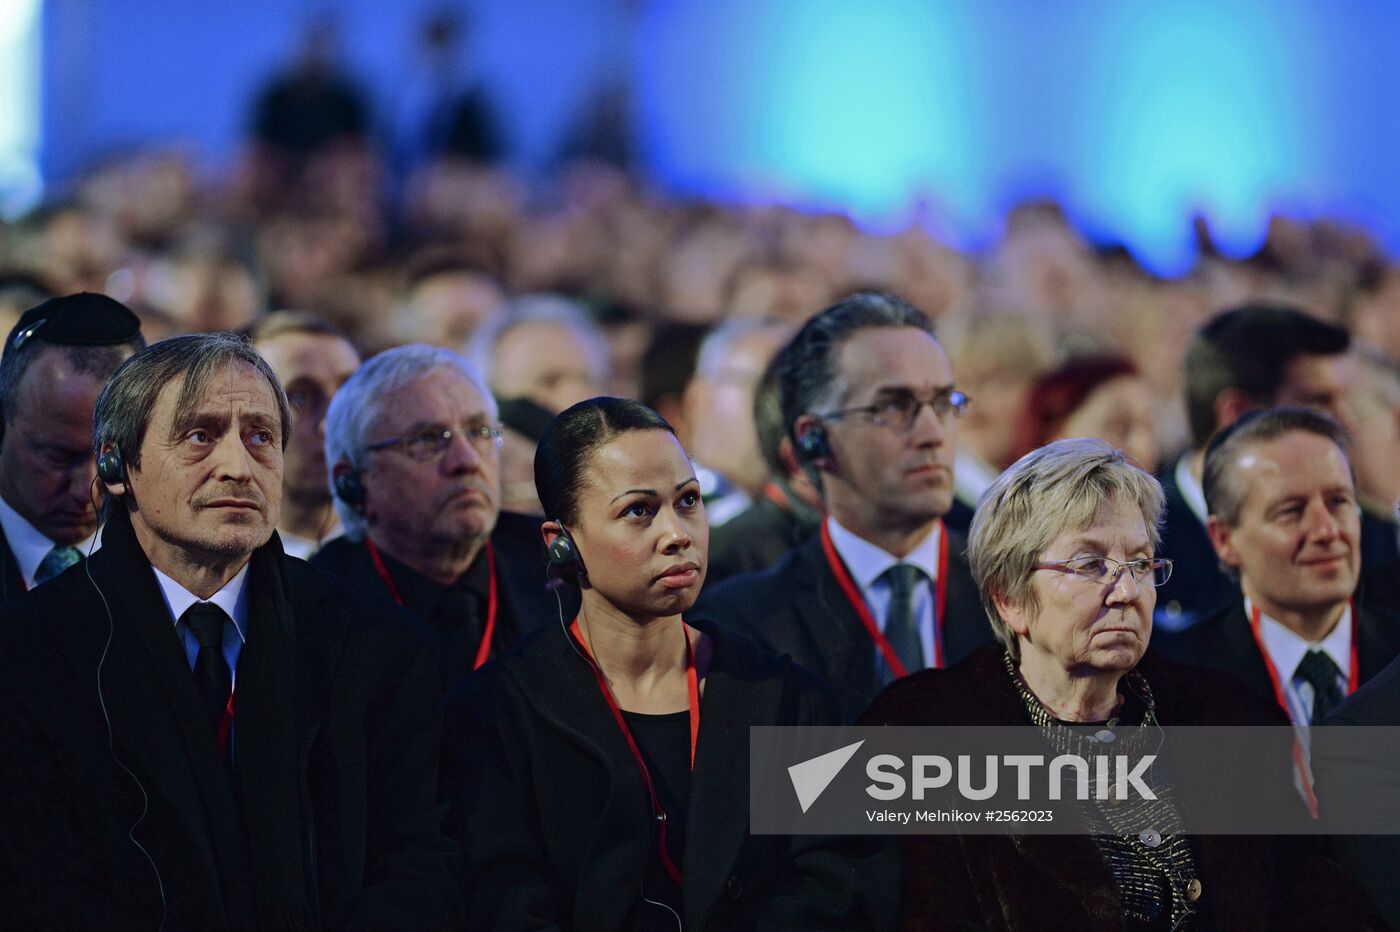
1063 549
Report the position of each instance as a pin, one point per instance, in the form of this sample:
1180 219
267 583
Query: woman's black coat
552 812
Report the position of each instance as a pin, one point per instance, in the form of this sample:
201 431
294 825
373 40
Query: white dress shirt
30 547
1286 650
232 598
1190 488
867 562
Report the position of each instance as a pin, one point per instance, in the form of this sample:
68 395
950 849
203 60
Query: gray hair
123 411
536 309
1062 486
1220 479
359 403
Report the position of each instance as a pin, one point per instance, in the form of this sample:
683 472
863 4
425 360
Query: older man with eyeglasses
884 589
413 442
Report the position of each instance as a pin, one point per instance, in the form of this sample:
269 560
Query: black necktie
212 676
1322 672
901 627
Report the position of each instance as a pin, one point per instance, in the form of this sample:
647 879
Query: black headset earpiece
563 552
110 467
812 444
349 489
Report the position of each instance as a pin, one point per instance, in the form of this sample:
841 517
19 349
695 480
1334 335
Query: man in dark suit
883 589
1249 357
56 360
199 732
1284 517
413 443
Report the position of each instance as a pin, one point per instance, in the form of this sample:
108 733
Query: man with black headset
197 732
884 588
413 442
56 360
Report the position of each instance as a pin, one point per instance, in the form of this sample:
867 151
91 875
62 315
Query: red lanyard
853 595
1300 762
774 493
483 651
692 687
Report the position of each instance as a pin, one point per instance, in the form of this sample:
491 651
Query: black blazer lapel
966 627
11 582
1378 639
319 639
719 787
1240 655
835 630
569 699
267 758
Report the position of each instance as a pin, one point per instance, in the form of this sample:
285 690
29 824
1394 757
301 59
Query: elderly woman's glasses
1105 571
431 442
899 410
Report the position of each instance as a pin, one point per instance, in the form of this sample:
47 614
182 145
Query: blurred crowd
462 246
411 226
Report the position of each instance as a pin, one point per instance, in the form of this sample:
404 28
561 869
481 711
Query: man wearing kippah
56 360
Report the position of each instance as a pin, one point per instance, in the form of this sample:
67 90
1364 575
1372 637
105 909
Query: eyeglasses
431 442
901 409
1105 572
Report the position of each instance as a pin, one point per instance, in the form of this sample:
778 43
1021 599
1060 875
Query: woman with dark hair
599 772
1102 396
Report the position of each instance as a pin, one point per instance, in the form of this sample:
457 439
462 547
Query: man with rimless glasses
413 442
884 589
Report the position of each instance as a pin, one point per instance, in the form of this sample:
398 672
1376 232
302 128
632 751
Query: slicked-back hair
124 409
1220 479
1063 486
573 437
358 405
1250 348
808 381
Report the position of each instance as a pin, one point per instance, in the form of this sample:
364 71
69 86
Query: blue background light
1136 114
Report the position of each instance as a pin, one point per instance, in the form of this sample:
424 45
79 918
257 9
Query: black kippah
84 319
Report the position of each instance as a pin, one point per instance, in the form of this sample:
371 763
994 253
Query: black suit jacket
11 582
1348 768
1224 642
1198 586
797 608
553 814
330 816
527 591
755 539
